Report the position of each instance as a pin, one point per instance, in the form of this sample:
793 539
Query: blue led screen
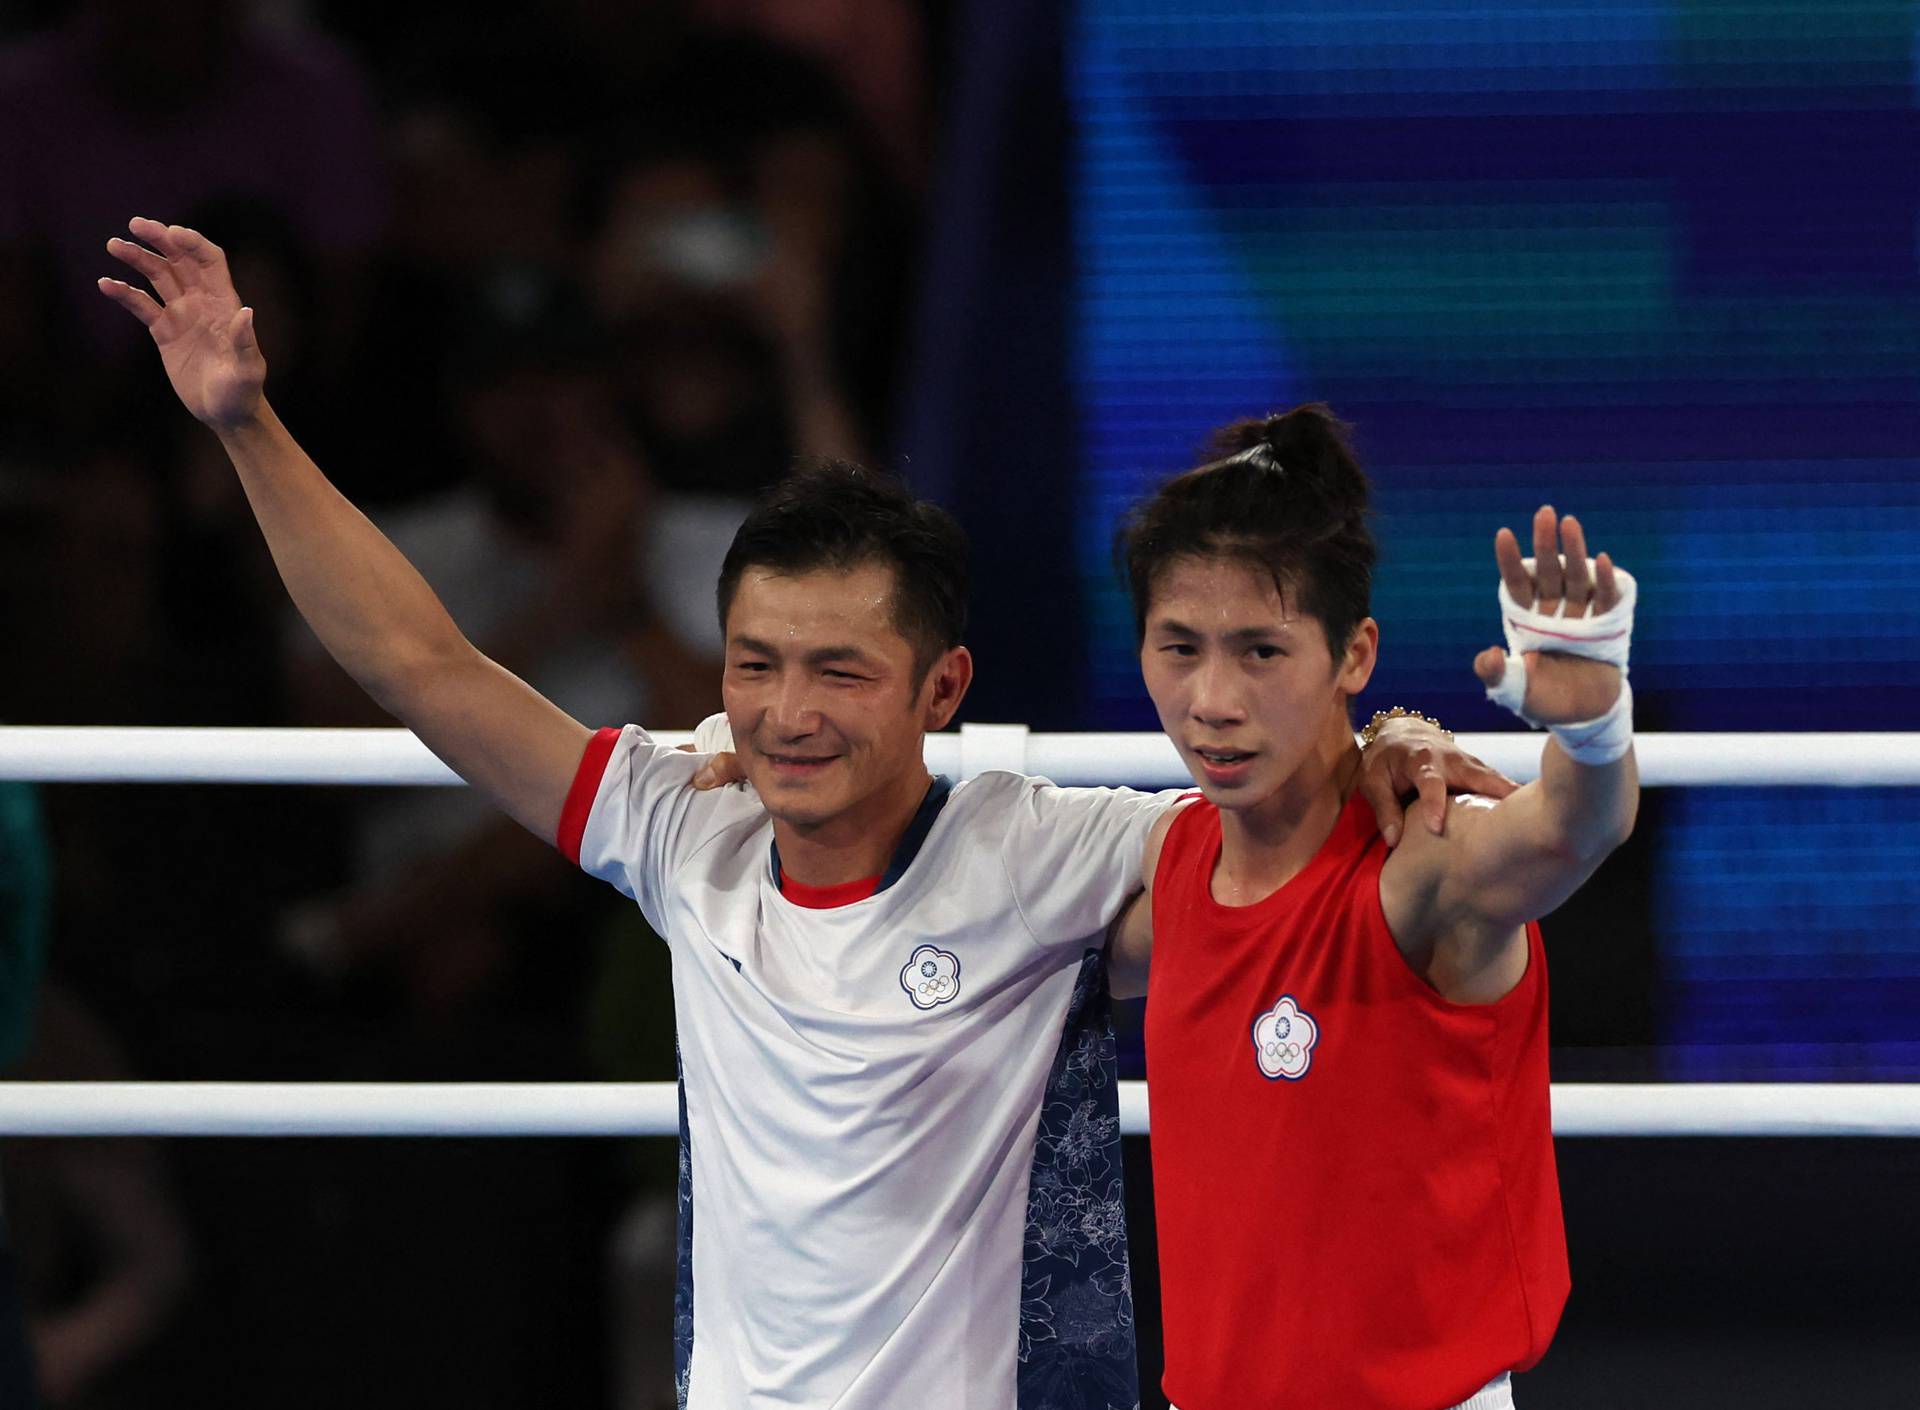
1657 264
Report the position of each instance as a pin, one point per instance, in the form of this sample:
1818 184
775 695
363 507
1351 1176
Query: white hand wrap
713 735
1607 637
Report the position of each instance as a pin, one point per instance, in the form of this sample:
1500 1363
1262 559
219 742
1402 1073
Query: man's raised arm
371 610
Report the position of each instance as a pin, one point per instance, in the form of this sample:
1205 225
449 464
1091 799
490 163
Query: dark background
563 289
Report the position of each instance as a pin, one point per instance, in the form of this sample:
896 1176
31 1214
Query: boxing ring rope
99 754
652 1109
61 754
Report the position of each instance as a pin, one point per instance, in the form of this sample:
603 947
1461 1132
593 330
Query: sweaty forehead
1220 593
811 608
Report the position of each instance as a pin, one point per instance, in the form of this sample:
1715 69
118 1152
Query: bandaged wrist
713 735
1603 739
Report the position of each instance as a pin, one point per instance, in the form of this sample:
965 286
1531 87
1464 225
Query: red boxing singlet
1353 1177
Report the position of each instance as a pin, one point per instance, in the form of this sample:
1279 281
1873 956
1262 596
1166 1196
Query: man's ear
946 686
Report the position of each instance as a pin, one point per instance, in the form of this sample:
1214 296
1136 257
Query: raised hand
205 336
1560 689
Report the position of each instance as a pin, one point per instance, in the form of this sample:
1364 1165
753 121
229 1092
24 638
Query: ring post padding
988 747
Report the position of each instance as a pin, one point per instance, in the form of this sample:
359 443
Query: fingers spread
1579 587
1546 556
166 240
137 302
154 268
1513 570
1606 588
153 233
196 247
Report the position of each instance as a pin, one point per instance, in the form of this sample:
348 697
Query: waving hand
1560 688
368 606
205 336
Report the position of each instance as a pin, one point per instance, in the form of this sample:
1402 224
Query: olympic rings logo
931 977
1283 1040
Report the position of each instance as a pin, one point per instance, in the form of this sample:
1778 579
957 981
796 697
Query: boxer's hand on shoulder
1560 689
720 770
1410 756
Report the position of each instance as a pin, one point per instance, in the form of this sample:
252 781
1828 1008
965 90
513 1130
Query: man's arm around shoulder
1130 942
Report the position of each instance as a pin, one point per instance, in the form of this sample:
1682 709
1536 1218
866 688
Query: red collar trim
825 898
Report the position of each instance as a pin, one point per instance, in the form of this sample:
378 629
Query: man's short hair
832 514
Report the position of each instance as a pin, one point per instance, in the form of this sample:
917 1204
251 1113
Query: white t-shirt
871 1181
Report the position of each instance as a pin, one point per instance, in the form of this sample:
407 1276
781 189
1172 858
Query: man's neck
855 844
1264 847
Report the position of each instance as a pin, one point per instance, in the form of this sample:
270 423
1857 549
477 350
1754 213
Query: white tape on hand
1606 636
1604 738
1511 692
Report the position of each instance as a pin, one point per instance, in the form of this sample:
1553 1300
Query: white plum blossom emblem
1283 1039
931 977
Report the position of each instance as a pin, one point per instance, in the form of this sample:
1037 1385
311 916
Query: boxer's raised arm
1456 904
372 611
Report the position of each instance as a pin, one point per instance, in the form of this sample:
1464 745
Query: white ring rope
103 754
63 754
652 1109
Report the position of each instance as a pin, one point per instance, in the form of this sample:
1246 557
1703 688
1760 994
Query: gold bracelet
1398 712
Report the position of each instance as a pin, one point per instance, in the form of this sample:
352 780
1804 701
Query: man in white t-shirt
902 1172
900 1162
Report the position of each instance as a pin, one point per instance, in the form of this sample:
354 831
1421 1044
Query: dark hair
837 515
1284 493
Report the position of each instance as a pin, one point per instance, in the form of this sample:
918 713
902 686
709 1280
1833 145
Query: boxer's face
828 708
1244 683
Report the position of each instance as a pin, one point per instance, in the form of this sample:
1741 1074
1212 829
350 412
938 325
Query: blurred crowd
550 295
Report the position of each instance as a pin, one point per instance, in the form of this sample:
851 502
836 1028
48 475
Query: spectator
721 284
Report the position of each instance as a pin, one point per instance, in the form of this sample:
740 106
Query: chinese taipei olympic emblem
931 977
1283 1039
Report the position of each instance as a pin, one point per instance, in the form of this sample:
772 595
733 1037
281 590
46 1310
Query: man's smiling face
822 693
